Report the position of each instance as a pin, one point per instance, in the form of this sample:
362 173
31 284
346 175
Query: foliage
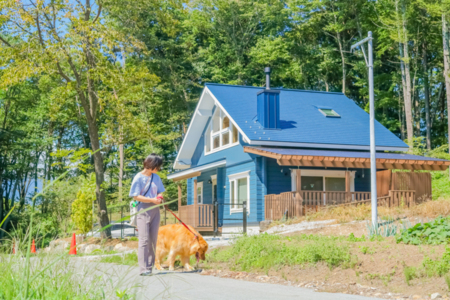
82 214
266 251
440 185
435 232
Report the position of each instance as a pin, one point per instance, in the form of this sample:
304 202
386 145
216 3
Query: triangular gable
199 121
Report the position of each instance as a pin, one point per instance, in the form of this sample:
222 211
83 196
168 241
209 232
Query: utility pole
373 164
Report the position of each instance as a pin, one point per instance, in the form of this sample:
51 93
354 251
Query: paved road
199 287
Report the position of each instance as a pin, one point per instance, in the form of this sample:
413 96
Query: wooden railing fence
197 215
296 204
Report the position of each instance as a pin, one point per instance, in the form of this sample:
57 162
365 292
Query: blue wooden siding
278 177
253 201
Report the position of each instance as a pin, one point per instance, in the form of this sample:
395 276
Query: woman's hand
147 200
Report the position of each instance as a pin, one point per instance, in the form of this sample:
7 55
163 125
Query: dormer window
220 133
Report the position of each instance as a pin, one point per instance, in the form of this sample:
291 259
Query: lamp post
373 165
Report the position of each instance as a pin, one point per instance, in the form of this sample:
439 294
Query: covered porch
322 178
199 211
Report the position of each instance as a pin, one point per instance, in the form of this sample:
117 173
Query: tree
72 41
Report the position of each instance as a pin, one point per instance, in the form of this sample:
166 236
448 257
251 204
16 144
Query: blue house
273 147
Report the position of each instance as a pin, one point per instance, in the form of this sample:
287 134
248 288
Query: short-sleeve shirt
138 184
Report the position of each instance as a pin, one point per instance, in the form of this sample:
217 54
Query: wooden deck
297 204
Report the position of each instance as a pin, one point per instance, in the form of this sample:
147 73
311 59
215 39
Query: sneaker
146 273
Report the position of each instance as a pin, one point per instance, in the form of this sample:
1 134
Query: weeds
366 250
410 274
447 281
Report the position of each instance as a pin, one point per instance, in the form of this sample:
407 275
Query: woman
147 189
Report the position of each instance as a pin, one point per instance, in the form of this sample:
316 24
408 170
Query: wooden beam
195 174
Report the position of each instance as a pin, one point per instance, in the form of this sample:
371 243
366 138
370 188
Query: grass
263 252
129 259
51 278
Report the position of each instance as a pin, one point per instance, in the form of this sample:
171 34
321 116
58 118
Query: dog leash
195 235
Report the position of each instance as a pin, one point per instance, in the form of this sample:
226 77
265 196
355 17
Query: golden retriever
175 240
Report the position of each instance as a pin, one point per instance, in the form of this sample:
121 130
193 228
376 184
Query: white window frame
200 185
234 178
220 133
324 174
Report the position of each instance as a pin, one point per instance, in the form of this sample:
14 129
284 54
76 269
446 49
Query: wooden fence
296 204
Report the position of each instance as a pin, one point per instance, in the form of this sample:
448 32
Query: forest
89 88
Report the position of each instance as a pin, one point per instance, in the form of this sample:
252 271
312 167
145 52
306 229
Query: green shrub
439 185
82 206
272 251
436 232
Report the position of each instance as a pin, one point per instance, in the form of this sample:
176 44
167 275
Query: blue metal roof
301 120
347 154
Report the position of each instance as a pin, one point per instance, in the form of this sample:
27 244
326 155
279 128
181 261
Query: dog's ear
195 247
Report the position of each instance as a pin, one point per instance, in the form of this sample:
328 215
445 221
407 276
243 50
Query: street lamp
373 165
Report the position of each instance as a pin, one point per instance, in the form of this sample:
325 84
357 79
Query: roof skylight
328 112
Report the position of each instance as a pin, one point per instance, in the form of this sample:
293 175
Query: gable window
220 133
328 112
239 191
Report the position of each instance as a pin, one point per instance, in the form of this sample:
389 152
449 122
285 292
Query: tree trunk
341 50
98 165
426 91
406 78
446 68
121 158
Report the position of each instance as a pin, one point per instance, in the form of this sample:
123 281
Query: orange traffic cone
73 245
33 247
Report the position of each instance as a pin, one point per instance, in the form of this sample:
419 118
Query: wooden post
298 189
298 183
179 197
195 216
347 185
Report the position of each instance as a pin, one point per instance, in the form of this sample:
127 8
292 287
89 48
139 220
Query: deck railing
295 204
197 215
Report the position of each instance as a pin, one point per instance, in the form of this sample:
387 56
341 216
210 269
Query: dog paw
189 268
171 268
